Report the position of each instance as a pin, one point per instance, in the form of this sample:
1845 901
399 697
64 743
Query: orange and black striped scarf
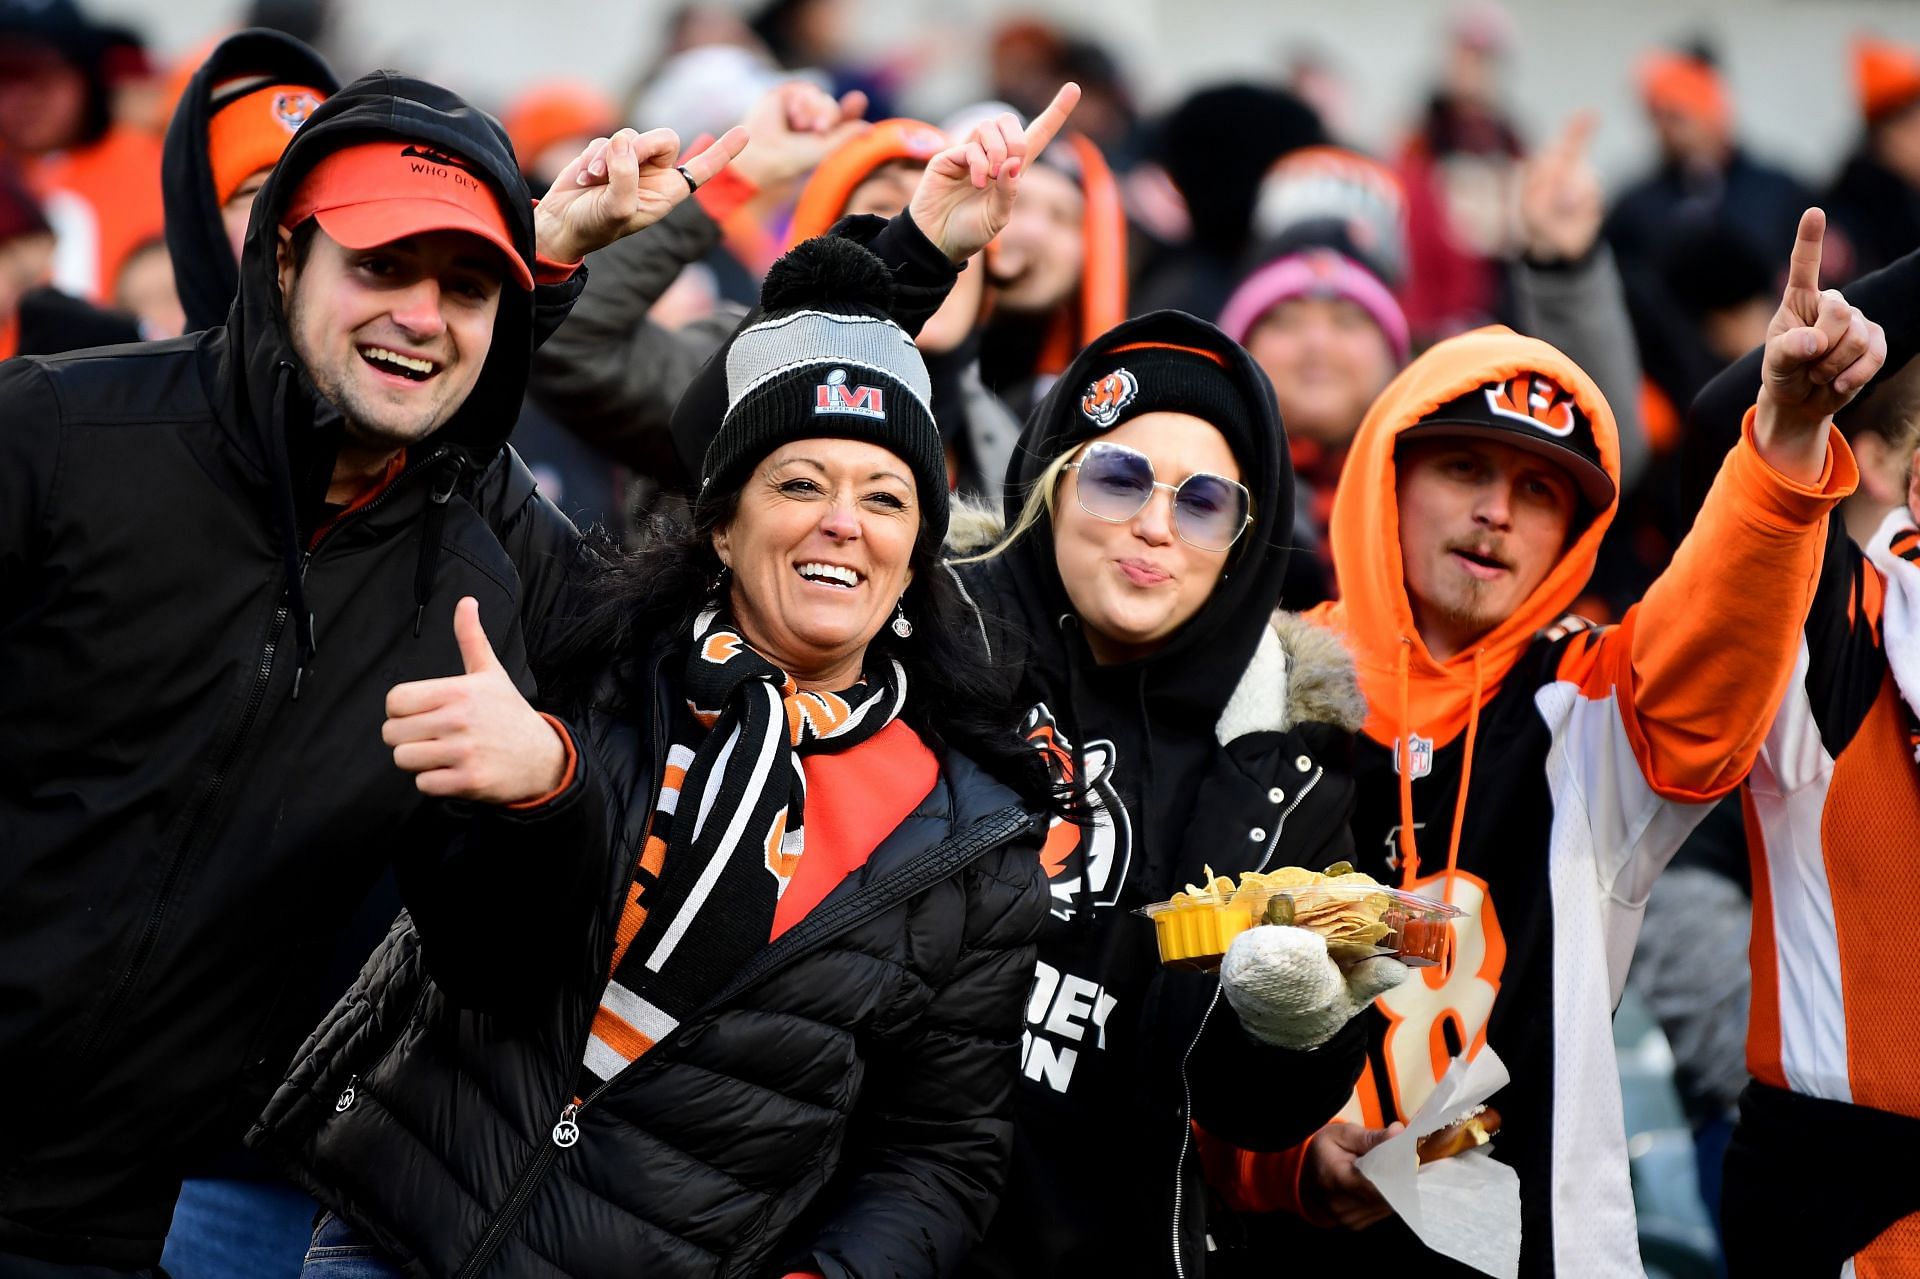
725 835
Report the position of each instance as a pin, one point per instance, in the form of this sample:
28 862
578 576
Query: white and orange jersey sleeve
1833 807
1667 711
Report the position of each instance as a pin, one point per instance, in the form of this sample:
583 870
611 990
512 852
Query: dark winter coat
844 1105
181 838
52 322
1228 747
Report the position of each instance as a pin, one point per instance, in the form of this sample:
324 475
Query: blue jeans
237 1228
341 1252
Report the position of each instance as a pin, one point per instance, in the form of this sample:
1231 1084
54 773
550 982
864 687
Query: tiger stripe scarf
724 837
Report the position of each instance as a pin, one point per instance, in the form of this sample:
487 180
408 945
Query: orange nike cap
374 193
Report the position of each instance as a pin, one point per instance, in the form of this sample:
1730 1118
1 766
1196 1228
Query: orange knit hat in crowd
377 192
249 133
555 111
835 179
1886 75
1684 85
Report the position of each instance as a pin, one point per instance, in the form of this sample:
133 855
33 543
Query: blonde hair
1040 501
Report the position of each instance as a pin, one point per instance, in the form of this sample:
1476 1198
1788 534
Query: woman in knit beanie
743 988
1133 597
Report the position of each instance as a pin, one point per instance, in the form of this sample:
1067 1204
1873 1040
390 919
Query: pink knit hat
1316 273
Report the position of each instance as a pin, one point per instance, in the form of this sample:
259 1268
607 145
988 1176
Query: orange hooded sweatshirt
1540 780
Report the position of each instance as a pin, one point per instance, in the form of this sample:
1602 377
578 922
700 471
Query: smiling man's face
394 336
1481 525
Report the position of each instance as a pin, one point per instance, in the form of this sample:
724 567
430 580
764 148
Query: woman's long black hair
956 695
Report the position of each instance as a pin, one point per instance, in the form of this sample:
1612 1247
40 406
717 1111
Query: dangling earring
901 626
718 585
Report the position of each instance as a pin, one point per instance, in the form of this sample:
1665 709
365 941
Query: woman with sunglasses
1133 596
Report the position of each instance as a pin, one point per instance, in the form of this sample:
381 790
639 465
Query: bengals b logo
1106 398
1535 399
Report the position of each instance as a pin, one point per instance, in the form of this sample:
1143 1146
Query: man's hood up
1373 610
204 271
380 105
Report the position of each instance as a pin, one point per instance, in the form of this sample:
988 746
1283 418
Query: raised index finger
1049 122
1803 270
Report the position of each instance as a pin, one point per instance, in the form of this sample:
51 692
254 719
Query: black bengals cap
1533 412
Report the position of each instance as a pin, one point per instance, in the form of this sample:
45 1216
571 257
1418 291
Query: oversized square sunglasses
1116 483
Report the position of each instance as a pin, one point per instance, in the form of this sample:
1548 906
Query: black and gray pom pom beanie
825 361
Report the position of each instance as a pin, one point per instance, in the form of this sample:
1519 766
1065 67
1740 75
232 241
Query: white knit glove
1289 992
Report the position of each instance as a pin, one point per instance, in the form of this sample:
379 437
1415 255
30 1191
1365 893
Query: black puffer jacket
181 839
843 1105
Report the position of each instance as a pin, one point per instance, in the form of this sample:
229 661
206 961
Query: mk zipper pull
346 1097
566 1132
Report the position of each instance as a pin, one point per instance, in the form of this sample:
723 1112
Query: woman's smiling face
821 546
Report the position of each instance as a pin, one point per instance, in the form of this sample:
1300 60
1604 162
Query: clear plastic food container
1359 920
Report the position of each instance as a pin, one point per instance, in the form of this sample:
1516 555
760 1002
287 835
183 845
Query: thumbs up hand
473 736
1820 351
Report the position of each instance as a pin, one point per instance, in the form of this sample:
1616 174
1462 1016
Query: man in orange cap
1875 201
217 554
1540 772
1702 170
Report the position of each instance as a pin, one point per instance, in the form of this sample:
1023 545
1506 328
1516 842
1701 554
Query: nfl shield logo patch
1419 756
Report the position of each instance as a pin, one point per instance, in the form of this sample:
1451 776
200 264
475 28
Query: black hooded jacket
1188 763
204 272
181 835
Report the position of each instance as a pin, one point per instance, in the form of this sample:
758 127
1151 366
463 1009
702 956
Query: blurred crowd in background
1244 203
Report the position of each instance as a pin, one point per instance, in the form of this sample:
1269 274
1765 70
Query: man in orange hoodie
1538 772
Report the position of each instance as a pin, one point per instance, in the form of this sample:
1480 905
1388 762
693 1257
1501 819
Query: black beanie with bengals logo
1129 379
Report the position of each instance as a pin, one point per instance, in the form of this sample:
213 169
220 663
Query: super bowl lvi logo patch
1535 399
1105 399
835 396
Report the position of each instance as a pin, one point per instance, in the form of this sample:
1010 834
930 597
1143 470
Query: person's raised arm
1890 295
1693 674
966 195
963 200
612 374
1567 287
622 184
